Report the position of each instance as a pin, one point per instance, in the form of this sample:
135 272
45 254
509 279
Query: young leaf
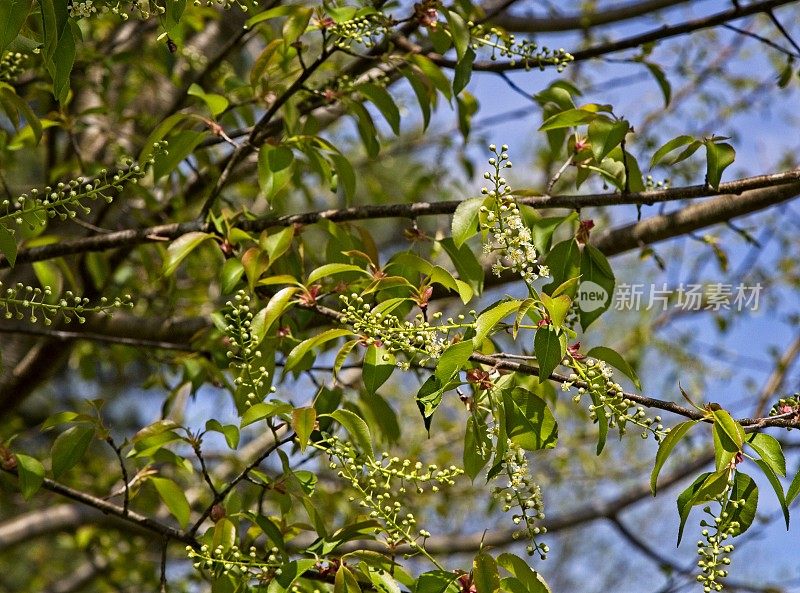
266 317
274 169
357 428
298 352
661 80
31 475
730 428
668 147
463 71
605 135
564 261
174 497
529 422
530 579
180 248
665 448
549 350
13 14
428 399
769 449
615 360
326 270
718 156
70 447
303 420
384 102
557 308
465 220
379 364
794 489
488 319
484 574
477 447
229 431
459 32
436 581
776 486
453 360
567 119
744 488
216 103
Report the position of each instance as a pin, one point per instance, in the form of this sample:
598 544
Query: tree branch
584 20
159 233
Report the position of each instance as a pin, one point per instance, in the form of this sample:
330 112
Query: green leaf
278 244
530 579
357 428
180 248
298 352
303 420
487 320
13 14
605 135
9 94
459 32
424 93
290 572
30 473
529 422
263 410
477 447
434 74
564 261
543 229
484 574
665 448
8 245
615 360
549 350
568 119
296 24
63 58
174 497
216 103
345 175
732 429
345 581
274 169
673 144
436 581
467 265
557 308
332 269
379 364
224 534
685 501
453 360
230 275
428 399
181 145
229 431
794 489
744 488
465 220
70 447
366 128
776 486
463 72
661 80
277 306
596 285
718 156
769 449
384 102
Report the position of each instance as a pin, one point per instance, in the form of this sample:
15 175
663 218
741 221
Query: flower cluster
363 30
651 184
508 234
237 563
713 551
414 338
380 482
595 378
526 51
789 405
252 380
65 200
85 9
11 65
22 301
244 5
523 493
